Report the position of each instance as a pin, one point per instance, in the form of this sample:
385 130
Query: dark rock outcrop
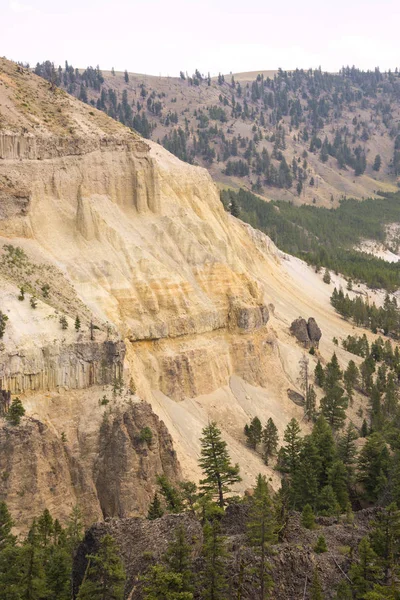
142 543
314 332
307 333
296 397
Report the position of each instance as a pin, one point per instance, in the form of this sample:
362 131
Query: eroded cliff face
79 365
88 454
148 246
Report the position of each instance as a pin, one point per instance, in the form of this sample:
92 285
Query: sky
166 37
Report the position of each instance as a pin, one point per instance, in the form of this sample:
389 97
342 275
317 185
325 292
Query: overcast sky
166 36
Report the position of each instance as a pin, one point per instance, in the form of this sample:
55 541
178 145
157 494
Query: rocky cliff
98 461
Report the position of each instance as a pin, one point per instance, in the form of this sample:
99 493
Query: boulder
296 397
299 329
314 332
307 333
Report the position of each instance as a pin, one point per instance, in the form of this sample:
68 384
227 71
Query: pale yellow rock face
148 247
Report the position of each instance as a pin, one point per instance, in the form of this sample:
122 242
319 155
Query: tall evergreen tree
261 528
178 558
270 439
155 510
172 496
105 575
366 571
253 433
214 574
216 465
373 466
385 541
291 451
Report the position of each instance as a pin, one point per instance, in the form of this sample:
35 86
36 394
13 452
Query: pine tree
334 405
155 511
350 378
77 323
58 567
3 321
214 553
305 478
364 429
327 502
63 322
126 76
319 374
189 495
338 478
105 575
320 547
178 558
316 588
344 591
74 529
366 571
373 466
377 163
15 412
324 442
270 439
327 276
310 404
45 528
261 527
234 207
385 541
6 525
333 373
162 584
291 452
171 495
253 433
307 517
215 463
347 450
32 579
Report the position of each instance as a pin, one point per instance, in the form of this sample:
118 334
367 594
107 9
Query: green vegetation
146 435
15 412
320 471
3 322
326 237
219 473
320 547
105 576
155 510
385 318
267 437
39 565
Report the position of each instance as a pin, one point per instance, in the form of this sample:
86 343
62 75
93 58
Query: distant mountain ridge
304 135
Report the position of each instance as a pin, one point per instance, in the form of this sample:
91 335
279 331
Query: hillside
304 136
179 304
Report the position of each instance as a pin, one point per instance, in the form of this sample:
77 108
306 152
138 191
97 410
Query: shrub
15 412
146 435
3 321
320 546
